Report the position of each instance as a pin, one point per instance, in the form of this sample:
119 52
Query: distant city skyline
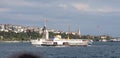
93 17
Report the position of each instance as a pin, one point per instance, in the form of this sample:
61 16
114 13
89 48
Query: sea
96 50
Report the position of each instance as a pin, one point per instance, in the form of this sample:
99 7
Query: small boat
115 40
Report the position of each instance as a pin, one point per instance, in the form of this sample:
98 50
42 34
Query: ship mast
68 32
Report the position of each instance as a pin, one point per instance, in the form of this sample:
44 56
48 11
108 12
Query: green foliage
51 35
22 36
25 36
63 35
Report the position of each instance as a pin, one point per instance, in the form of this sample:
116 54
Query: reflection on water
97 50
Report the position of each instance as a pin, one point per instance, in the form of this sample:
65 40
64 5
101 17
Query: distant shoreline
14 41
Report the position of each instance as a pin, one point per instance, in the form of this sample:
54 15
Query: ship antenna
45 21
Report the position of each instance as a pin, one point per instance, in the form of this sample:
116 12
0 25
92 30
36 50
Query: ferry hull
62 42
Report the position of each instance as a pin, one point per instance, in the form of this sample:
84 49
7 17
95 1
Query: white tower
45 33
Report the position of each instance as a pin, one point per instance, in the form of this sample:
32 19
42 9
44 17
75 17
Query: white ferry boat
58 41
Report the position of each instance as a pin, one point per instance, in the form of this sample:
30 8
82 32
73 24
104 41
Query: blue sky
93 17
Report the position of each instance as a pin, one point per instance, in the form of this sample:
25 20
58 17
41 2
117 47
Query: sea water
96 50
